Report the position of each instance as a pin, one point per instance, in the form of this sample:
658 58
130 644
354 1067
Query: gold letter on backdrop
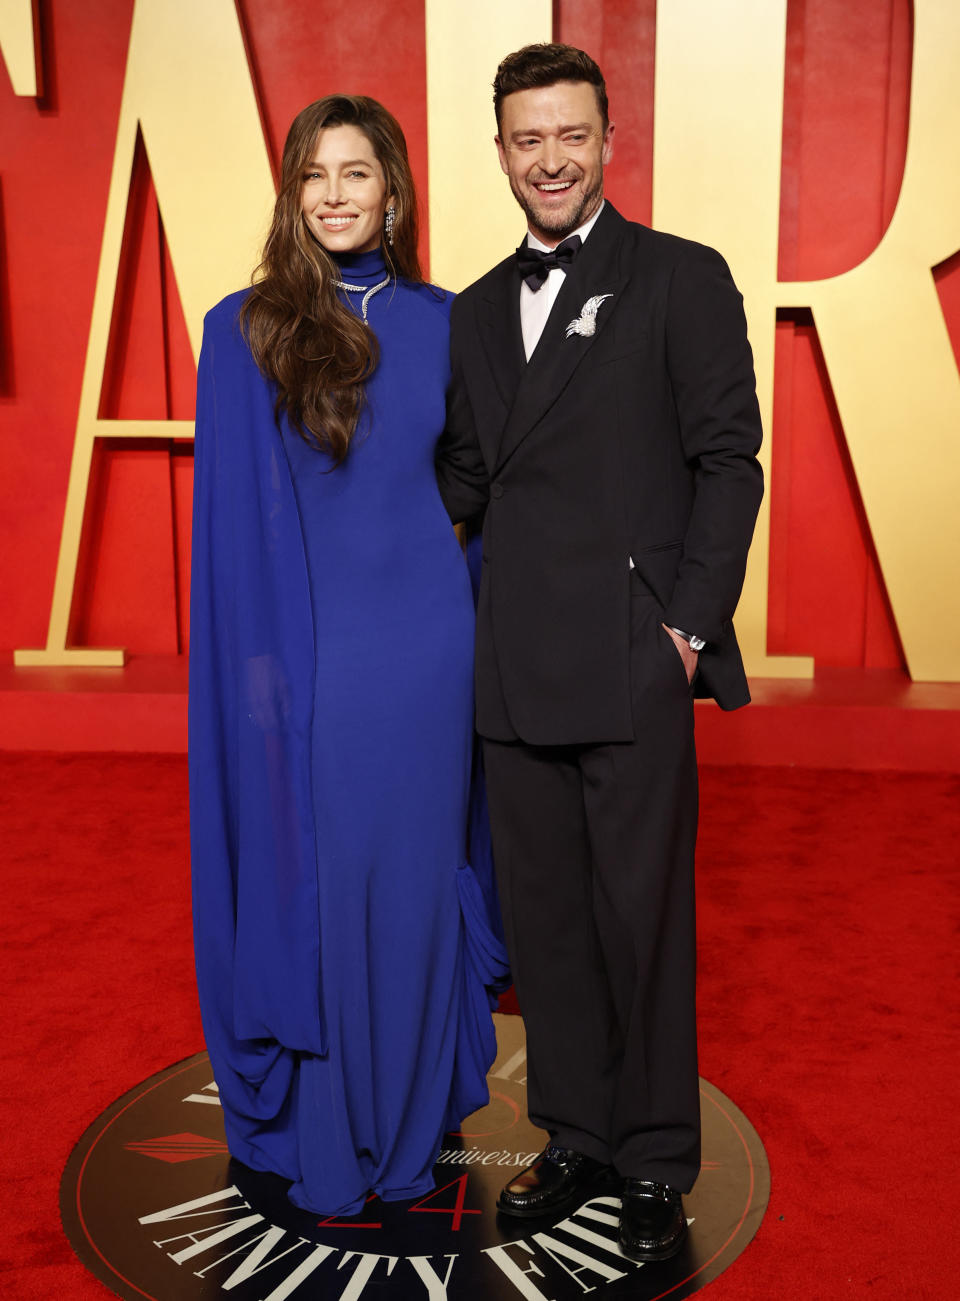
892 367
718 117
187 88
20 46
474 219
719 108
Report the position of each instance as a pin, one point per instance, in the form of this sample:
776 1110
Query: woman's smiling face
344 193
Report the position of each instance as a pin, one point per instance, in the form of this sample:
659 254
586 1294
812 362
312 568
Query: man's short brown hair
544 65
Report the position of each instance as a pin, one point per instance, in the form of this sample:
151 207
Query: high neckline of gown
364 267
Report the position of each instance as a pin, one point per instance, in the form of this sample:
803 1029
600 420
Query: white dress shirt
536 307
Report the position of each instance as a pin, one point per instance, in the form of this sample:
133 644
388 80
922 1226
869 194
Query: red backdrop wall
845 122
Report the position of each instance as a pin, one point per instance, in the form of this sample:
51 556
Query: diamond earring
388 221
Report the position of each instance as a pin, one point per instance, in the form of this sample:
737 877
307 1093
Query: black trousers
594 851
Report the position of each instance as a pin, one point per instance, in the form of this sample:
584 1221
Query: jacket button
496 490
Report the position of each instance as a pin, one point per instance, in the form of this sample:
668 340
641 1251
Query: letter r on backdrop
717 161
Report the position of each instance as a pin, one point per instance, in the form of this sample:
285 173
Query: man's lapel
596 271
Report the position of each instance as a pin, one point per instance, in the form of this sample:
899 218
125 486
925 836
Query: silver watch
695 643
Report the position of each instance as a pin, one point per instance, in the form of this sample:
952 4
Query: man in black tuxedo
603 414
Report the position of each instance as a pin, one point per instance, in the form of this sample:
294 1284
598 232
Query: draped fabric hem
297 1194
245 1151
355 1205
484 971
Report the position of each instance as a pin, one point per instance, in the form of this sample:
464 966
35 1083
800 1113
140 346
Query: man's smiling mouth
552 187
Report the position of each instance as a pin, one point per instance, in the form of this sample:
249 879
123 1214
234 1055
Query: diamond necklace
359 289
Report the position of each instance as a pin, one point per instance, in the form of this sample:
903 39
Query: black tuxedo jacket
637 442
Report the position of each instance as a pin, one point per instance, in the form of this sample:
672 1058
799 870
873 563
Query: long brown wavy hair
316 350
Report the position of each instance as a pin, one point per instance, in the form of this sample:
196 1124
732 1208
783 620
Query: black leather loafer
652 1223
557 1179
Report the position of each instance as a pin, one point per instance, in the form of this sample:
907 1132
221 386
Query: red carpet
829 1009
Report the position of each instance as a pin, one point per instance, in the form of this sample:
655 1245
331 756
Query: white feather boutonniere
586 322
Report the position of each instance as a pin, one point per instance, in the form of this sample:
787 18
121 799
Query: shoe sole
540 1212
649 1257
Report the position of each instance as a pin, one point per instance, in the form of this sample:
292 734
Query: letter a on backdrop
20 46
188 92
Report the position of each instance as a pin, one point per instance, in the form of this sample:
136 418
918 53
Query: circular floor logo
155 1207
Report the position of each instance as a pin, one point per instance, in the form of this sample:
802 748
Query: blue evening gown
346 930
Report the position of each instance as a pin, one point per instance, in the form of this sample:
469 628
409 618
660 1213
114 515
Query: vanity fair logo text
155 1206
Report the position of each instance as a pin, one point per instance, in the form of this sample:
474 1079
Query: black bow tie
536 266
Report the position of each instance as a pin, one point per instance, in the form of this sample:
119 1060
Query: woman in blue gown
346 930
